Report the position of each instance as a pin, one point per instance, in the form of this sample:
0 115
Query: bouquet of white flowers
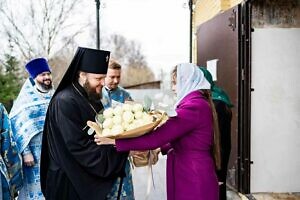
127 120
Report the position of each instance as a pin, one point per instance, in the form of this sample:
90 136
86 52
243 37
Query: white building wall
275 110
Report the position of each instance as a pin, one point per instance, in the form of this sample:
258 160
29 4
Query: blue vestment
119 94
10 160
27 118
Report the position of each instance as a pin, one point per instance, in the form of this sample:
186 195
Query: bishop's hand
94 126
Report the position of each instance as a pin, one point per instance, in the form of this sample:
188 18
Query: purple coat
190 166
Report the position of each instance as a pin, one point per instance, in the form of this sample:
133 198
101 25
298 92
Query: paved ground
276 196
140 178
231 195
140 181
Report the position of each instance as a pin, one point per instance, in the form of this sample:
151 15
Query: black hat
94 61
86 60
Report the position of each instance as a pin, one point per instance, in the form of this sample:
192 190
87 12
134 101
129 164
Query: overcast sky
160 26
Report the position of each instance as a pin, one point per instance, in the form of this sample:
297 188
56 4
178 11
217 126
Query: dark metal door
219 38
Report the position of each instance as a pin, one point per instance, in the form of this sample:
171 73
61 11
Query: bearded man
73 167
27 120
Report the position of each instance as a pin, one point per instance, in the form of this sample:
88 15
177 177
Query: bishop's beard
91 92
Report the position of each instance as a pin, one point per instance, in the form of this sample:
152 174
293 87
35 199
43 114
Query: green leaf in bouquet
99 118
147 103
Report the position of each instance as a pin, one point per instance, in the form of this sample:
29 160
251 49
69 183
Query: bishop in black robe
72 165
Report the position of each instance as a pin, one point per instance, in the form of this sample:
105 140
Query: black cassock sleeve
69 117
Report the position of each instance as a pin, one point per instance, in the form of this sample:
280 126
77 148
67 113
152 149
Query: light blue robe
127 193
10 161
27 118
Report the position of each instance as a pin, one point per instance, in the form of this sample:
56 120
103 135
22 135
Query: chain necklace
88 103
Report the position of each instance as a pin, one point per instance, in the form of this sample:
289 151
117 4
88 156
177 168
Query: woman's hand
103 140
157 151
138 154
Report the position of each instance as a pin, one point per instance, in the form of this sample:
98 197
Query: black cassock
72 165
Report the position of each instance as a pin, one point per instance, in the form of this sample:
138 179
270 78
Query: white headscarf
189 79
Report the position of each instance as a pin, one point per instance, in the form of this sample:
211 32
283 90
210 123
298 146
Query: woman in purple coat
189 138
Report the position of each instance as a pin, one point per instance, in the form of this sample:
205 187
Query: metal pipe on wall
98 23
191 30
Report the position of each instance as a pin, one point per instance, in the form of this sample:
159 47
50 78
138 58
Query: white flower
138 122
131 126
116 129
117 120
106 132
137 107
128 116
147 118
108 113
118 110
125 126
138 115
127 107
108 123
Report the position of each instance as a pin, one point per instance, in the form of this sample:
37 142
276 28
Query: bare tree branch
69 40
39 29
64 14
26 55
128 53
19 34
